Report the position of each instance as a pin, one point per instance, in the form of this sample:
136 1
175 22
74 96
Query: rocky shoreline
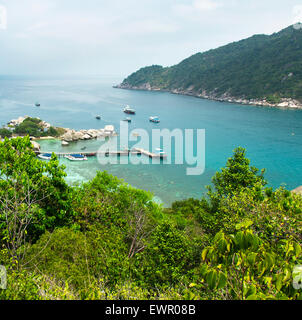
284 102
68 135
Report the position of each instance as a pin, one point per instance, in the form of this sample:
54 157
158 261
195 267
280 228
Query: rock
36 146
283 104
109 128
86 137
68 136
17 122
72 135
298 190
77 135
45 125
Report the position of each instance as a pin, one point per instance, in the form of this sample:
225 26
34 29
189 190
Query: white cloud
196 7
205 5
3 17
92 28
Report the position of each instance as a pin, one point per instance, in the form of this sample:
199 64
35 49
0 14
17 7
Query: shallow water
272 136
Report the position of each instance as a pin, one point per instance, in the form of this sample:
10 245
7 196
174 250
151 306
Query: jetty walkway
135 151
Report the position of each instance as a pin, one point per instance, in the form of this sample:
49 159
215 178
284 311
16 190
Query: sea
271 136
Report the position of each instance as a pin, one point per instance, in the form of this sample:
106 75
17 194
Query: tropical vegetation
260 67
32 127
107 240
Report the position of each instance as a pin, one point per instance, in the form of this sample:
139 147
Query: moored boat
127 119
45 156
128 110
154 119
76 157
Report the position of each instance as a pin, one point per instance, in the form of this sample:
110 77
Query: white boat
154 119
76 157
45 156
128 110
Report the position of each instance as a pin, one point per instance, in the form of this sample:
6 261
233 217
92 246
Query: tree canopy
107 240
258 67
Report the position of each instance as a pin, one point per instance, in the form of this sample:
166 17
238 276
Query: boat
37 104
76 157
128 110
84 148
127 119
154 119
45 156
93 154
98 117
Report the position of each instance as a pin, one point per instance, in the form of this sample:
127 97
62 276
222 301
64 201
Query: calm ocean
272 137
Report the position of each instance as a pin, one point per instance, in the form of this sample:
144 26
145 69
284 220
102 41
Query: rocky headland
283 103
65 134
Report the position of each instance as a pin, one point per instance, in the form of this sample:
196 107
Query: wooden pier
150 154
135 151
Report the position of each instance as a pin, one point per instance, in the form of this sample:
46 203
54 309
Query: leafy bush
5 133
107 240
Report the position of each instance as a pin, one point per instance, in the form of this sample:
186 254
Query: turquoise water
271 136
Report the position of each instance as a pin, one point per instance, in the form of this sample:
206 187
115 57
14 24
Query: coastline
285 103
65 135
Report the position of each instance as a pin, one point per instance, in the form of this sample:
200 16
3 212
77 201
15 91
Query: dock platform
135 151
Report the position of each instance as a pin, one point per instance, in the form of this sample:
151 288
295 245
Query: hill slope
263 68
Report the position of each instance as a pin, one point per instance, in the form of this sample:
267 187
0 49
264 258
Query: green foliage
37 188
34 128
257 67
52 132
273 99
237 175
30 126
107 240
167 258
243 266
5 133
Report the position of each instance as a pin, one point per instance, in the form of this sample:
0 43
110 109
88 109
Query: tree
20 210
28 183
237 175
5 133
243 266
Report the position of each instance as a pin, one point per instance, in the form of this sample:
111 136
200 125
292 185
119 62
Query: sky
117 37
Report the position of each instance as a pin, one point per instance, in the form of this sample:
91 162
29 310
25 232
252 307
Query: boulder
283 104
78 136
36 146
109 128
86 137
298 190
68 136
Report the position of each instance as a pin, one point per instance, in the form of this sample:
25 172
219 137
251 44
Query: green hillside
258 67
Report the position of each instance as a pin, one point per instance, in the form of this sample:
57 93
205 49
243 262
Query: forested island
107 240
261 70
